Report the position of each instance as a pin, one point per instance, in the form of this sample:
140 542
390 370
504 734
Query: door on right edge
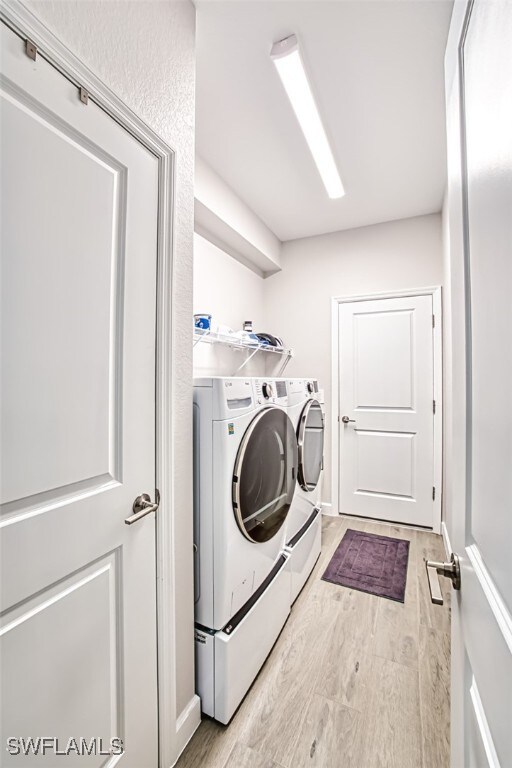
386 409
479 111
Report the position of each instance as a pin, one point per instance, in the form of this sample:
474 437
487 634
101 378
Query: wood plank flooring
354 680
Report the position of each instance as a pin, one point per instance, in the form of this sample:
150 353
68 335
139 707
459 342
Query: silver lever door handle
450 570
346 420
142 506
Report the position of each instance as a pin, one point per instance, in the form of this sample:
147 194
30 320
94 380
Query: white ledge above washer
227 222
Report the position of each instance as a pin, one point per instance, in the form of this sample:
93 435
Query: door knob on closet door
143 506
449 570
346 420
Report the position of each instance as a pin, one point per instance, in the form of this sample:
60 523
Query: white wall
226 289
231 293
145 52
386 257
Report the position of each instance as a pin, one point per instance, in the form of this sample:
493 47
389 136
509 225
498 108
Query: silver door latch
346 420
450 570
142 506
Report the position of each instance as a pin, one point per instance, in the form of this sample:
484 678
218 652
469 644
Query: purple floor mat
370 563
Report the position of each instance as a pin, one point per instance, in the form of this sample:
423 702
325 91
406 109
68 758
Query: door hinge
84 95
433 321
434 405
30 49
434 493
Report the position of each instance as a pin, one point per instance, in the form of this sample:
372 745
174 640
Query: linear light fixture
286 56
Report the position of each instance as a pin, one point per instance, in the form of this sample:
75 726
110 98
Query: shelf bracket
200 337
246 360
284 364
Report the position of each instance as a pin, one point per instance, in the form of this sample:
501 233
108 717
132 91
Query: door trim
336 301
174 729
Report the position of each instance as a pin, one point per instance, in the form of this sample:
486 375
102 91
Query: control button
310 387
267 390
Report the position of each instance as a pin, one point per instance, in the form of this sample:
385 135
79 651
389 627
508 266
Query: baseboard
362 519
446 540
187 724
328 509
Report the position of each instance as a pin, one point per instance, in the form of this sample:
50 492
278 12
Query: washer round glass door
310 439
265 475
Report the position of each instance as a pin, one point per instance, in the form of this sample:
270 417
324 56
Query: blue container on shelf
203 321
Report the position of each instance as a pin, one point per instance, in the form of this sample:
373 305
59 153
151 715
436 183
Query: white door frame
174 732
435 292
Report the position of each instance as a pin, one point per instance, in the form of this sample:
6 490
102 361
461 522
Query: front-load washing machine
245 470
304 524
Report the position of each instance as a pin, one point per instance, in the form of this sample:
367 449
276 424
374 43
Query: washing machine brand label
231 428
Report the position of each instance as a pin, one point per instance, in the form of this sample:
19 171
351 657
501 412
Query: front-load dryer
245 470
304 525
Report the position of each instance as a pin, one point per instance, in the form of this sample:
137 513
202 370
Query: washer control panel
264 390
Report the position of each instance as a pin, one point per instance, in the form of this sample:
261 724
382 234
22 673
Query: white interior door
481 511
79 202
386 385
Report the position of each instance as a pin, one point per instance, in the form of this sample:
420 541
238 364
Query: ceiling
376 68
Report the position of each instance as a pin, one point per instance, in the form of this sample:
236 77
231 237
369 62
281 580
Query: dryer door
310 439
265 475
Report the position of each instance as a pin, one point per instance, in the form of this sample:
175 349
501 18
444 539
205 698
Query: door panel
386 390
481 752
479 110
33 666
383 371
74 439
488 577
385 463
79 247
489 159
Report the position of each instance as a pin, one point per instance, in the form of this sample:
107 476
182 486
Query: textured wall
231 293
145 52
390 257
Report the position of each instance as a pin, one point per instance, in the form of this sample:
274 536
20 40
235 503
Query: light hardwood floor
354 680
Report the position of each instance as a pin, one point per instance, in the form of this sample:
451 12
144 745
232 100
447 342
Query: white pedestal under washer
245 469
304 523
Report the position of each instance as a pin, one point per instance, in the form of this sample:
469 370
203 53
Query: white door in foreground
79 202
386 409
480 506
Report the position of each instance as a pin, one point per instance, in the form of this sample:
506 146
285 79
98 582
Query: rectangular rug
370 563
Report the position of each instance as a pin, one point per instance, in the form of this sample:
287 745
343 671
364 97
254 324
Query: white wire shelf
212 337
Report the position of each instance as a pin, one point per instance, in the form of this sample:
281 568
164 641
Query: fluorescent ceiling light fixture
286 56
